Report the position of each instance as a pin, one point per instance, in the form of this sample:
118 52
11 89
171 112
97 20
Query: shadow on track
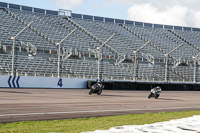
108 95
15 92
169 99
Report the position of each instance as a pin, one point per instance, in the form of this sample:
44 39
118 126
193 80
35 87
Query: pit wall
75 83
144 86
41 82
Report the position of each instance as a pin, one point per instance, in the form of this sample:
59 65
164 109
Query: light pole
99 59
13 48
98 49
166 61
135 59
58 44
195 60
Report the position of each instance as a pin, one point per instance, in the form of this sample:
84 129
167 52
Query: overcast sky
170 12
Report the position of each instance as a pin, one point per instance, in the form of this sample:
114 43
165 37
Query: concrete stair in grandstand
122 41
4 68
119 63
177 42
192 37
78 68
84 41
159 41
151 44
179 74
178 39
125 67
4 64
120 56
31 66
154 72
78 51
31 27
88 69
42 34
142 38
12 27
145 40
69 72
183 39
186 71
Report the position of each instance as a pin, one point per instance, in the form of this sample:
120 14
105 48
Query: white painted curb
184 125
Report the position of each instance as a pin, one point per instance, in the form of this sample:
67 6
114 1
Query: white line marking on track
97 111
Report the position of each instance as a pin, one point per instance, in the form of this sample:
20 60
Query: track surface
51 104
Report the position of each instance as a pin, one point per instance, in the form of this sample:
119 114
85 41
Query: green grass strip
91 124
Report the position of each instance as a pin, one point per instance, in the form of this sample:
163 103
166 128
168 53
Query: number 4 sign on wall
60 82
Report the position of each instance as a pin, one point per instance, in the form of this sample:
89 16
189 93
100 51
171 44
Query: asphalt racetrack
52 104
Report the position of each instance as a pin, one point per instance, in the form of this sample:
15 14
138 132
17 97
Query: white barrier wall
41 82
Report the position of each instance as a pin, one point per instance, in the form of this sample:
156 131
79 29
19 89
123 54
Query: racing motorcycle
155 92
96 88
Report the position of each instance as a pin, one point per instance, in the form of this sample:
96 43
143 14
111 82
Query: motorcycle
96 88
155 92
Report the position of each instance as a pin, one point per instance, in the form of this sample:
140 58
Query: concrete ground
51 104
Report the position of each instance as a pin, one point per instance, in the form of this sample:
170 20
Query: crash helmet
158 87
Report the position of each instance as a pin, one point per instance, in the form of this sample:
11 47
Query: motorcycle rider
155 92
96 88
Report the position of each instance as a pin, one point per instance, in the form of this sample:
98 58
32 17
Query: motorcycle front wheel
150 95
99 92
156 97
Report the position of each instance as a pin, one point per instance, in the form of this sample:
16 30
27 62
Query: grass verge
91 124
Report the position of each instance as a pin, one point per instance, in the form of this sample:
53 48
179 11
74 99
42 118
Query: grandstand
43 43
